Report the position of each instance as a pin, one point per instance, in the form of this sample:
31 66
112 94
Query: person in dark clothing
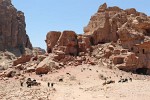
48 84
52 84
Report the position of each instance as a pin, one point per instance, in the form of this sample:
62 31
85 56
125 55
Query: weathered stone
65 42
124 51
131 11
38 51
19 66
131 61
107 53
84 43
30 69
46 66
102 8
69 40
111 47
116 52
129 39
12 29
127 32
51 40
10 73
22 59
118 60
59 55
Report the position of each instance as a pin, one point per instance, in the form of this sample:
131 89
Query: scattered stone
108 82
60 80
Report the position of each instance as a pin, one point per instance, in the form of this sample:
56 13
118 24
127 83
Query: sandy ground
79 83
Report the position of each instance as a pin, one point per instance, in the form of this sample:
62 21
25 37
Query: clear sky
43 16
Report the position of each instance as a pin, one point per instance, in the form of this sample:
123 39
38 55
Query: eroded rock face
51 40
104 24
84 43
22 59
46 66
127 31
68 43
65 42
12 29
128 28
38 51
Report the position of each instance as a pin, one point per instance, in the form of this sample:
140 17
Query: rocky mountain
92 66
13 35
126 31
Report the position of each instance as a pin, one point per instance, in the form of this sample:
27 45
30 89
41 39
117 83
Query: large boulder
132 61
68 39
84 43
65 42
46 66
12 29
118 60
22 59
51 40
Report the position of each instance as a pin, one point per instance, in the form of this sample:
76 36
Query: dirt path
79 83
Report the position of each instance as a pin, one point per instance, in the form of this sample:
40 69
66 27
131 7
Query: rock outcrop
38 51
12 29
128 28
22 59
46 66
51 40
67 43
127 31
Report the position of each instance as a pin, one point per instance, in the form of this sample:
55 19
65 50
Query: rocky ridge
127 30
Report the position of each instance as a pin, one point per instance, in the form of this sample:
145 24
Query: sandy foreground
79 83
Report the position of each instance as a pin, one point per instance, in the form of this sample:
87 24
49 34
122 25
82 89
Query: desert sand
79 83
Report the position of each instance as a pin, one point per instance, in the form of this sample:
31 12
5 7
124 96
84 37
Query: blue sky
43 16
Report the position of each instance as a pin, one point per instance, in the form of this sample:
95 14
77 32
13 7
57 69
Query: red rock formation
46 66
84 43
12 29
128 31
68 43
22 59
65 42
128 28
51 40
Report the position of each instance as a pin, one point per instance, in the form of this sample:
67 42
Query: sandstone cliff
127 31
13 35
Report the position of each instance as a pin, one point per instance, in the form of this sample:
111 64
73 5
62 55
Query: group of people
50 84
30 82
33 82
